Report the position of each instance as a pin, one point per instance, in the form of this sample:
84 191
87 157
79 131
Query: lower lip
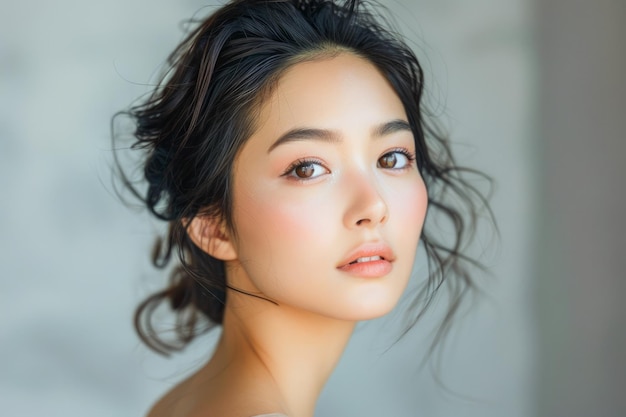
371 269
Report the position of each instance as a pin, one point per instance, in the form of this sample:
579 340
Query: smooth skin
328 176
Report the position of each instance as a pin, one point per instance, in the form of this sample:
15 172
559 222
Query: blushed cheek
282 227
300 225
284 247
412 207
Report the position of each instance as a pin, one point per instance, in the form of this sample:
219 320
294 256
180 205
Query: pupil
305 171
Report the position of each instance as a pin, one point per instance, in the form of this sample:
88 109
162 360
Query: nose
367 207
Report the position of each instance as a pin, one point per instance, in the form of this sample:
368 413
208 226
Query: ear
211 235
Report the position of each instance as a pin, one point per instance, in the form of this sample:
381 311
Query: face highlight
328 203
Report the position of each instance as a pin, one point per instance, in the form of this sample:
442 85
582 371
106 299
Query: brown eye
388 161
394 160
305 171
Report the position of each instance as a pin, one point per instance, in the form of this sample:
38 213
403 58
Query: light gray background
532 93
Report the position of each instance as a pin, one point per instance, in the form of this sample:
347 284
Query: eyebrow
331 136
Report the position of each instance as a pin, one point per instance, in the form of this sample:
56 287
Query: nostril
367 210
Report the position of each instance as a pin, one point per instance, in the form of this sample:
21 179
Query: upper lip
369 249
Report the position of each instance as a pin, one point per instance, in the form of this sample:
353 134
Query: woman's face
328 203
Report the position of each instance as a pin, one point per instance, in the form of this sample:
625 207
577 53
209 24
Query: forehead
342 92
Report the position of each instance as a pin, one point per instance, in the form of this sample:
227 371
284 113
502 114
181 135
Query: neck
291 350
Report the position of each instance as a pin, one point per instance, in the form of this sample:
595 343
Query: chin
374 313
369 308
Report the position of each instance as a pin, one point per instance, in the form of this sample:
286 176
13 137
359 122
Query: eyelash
410 156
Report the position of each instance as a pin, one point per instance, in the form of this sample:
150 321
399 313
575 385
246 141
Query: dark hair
203 110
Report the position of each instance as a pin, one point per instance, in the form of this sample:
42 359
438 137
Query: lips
368 260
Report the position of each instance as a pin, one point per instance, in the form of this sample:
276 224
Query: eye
397 159
305 170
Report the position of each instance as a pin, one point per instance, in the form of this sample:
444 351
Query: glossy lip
370 269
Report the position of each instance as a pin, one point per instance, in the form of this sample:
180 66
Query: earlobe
212 237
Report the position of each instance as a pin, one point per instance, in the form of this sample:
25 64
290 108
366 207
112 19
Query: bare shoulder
271 415
190 399
238 390
166 407
175 403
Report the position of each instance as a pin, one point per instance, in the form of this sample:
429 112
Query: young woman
287 150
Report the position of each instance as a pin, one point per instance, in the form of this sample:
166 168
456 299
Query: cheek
284 247
409 208
280 229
